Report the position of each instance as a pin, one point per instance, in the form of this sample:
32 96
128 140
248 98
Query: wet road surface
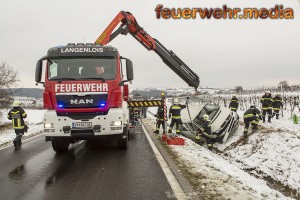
90 170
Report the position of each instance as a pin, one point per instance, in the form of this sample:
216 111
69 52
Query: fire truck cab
85 94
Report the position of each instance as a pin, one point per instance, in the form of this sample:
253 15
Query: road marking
178 192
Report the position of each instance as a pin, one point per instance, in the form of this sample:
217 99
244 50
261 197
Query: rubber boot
156 132
269 118
277 116
210 146
254 127
170 130
245 134
264 119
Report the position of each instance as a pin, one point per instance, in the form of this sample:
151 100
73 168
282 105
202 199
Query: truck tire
123 139
60 145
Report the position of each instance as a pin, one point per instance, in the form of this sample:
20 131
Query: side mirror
129 70
39 69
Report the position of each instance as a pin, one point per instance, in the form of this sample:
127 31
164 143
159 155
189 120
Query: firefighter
160 120
234 104
174 112
17 115
205 132
295 103
267 102
251 116
278 103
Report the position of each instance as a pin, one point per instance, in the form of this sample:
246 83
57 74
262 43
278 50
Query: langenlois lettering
81 50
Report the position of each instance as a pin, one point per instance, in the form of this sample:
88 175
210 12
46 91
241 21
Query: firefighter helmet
16 104
176 101
252 107
205 117
268 92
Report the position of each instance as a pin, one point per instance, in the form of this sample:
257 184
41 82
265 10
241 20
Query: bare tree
239 89
284 84
8 80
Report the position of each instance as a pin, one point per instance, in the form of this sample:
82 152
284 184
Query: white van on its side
223 121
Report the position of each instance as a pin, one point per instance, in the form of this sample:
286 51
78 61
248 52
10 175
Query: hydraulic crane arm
130 25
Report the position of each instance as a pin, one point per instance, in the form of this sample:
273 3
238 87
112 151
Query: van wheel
60 145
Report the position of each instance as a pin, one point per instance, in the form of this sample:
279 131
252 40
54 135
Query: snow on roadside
271 152
222 179
34 120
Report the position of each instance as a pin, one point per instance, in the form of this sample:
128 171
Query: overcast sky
224 53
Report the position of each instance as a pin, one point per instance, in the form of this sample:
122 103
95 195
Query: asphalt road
90 170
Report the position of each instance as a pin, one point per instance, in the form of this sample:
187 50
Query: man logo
81 101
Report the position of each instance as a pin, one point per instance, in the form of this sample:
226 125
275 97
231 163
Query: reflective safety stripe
254 122
276 108
248 115
24 114
207 135
245 129
17 112
175 107
234 101
267 108
233 108
177 131
19 122
210 145
176 117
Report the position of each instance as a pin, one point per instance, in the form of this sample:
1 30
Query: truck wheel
60 145
123 139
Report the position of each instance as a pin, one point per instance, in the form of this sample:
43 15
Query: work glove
213 136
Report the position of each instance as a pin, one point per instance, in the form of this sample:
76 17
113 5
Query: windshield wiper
62 79
94 78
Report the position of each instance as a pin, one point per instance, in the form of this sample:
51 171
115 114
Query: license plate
82 124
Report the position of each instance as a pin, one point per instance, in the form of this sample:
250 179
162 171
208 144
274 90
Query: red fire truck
86 88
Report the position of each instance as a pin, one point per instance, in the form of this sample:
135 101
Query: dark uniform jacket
160 113
17 116
266 102
206 129
251 112
277 103
175 111
234 104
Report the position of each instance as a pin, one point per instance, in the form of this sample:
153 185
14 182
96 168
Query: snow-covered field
265 166
34 121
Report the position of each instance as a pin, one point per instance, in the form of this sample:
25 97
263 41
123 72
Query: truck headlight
48 125
116 123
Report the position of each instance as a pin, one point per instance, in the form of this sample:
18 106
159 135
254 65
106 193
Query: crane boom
130 25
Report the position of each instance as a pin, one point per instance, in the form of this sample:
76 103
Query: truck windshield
82 68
